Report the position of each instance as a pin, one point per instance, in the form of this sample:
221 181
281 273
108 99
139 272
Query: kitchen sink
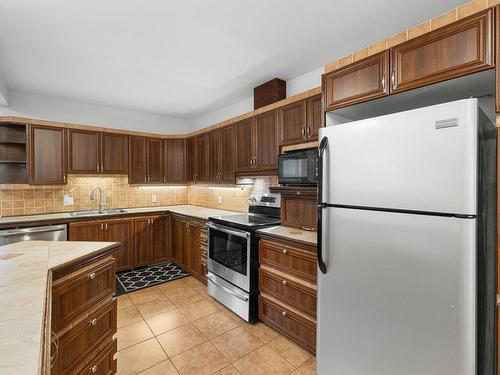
111 211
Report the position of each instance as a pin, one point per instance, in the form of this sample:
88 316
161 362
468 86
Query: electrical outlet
220 199
67 200
154 198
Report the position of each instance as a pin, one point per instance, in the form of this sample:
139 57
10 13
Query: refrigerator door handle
322 147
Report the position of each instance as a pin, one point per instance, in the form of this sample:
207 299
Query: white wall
306 81
4 91
65 110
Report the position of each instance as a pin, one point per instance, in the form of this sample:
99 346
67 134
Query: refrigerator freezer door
423 159
399 294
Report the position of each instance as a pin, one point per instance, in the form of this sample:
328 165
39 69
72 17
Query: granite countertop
185 209
295 234
25 271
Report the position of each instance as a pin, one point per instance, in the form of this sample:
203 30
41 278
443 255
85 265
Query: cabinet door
179 242
314 114
244 145
228 148
175 160
266 142
121 231
47 161
358 82
202 158
155 161
160 249
137 167
461 48
114 153
192 159
292 123
83 151
214 155
86 231
497 49
193 249
143 241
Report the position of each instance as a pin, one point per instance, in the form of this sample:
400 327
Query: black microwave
298 167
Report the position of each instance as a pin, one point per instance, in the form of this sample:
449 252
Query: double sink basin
111 211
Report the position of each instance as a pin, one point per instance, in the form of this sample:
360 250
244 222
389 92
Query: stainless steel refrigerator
406 244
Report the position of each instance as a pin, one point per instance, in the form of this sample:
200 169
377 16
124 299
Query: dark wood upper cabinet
244 145
214 155
202 159
266 141
47 156
137 167
155 161
292 122
175 160
314 117
83 155
192 158
461 48
228 151
114 153
363 80
497 49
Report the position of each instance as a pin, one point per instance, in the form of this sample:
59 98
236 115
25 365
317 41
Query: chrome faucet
101 202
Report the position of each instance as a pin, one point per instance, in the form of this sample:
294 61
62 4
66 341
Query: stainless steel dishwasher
44 233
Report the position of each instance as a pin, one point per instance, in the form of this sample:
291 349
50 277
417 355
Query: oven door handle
229 231
226 289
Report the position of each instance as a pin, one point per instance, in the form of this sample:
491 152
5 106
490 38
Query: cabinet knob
93 322
92 275
284 282
93 369
285 251
283 313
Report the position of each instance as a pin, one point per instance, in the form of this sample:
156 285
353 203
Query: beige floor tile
132 334
228 370
296 372
308 367
263 361
145 295
263 332
154 307
166 321
289 350
172 286
193 283
203 359
197 309
164 368
236 343
140 357
124 301
184 295
128 315
215 324
203 291
180 339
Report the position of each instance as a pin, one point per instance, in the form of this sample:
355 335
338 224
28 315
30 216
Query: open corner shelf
13 153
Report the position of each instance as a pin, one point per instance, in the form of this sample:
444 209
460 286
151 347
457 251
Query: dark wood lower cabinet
84 316
287 286
121 230
298 206
142 241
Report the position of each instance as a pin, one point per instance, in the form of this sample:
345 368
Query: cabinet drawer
298 328
77 293
77 344
102 364
291 292
298 262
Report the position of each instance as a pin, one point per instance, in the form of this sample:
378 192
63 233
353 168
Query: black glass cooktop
248 221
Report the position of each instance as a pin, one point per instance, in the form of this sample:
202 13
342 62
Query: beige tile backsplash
29 199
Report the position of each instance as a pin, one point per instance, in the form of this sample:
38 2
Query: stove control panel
265 199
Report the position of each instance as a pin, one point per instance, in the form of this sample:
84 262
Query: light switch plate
67 200
154 198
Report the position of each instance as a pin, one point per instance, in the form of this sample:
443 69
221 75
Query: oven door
229 254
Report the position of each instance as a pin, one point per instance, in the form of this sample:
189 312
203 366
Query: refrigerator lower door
419 160
399 294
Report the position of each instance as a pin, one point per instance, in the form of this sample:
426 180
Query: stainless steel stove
233 254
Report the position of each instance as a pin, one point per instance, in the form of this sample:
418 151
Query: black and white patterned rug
130 281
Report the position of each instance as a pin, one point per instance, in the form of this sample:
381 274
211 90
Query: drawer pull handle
92 275
284 282
283 313
93 322
93 370
285 251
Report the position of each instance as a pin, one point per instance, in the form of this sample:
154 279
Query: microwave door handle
319 247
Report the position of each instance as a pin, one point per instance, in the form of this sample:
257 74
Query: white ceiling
185 57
